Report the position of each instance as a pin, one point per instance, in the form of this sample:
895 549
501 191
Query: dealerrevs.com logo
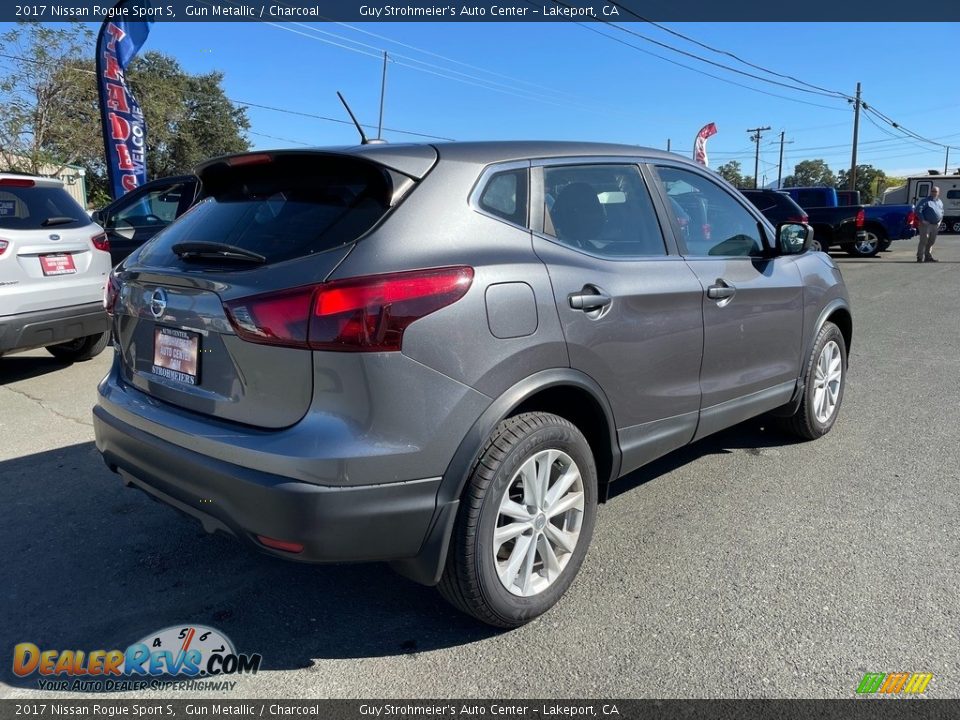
198 657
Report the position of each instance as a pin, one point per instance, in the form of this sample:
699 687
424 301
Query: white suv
54 262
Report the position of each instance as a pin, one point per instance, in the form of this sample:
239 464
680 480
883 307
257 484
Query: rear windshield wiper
215 251
59 220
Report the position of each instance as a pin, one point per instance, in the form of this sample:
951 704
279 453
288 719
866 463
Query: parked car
778 207
876 225
442 355
54 263
136 217
917 188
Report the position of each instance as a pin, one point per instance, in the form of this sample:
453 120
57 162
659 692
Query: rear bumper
49 327
334 524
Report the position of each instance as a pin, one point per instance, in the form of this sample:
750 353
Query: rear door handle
588 299
721 290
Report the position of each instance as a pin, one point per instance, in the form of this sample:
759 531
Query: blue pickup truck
876 225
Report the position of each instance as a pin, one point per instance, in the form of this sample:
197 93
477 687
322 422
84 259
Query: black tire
867 248
81 349
804 422
470 581
885 245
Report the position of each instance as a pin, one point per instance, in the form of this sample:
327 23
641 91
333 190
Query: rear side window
953 194
38 207
807 198
602 210
284 208
505 195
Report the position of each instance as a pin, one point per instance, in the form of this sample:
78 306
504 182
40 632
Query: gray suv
442 355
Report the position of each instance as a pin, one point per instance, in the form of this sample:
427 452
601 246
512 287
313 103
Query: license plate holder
176 355
57 264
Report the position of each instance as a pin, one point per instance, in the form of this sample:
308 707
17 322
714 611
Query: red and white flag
700 144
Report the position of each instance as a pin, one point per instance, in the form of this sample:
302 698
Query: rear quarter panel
435 226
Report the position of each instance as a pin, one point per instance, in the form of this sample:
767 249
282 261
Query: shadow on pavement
14 368
750 436
91 565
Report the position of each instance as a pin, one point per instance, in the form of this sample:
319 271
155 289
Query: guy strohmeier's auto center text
255 11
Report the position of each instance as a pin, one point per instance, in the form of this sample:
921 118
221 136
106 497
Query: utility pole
852 182
780 166
757 134
946 160
668 147
383 92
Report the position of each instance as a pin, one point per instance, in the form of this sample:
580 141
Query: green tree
871 182
51 111
811 173
731 172
38 129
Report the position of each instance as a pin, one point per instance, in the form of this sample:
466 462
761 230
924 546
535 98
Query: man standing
930 212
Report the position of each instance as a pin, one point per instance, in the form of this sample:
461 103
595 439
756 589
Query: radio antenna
363 137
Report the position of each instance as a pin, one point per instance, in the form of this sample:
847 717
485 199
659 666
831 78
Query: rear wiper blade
215 251
59 220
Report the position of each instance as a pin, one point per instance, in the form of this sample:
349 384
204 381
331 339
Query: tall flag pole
124 128
700 144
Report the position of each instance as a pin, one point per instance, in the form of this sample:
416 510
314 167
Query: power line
437 70
667 46
236 101
699 71
729 54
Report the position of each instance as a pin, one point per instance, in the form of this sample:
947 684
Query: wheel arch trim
427 567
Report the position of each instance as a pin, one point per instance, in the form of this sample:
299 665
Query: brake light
16 182
3 246
365 314
111 290
911 219
861 217
252 159
101 242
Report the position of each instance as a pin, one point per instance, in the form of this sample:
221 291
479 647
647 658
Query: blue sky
563 81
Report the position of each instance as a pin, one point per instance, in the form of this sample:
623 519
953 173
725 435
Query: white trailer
917 188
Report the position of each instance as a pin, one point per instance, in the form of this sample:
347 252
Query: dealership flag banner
700 145
124 129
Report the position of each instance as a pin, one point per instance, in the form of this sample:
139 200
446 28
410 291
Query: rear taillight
861 217
101 242
3 246
911 219
365 314
110 292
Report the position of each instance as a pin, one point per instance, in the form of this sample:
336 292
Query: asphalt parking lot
746 565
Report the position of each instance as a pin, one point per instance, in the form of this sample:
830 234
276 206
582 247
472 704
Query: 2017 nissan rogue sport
442 355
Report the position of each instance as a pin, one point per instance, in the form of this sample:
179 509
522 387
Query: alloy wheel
826 383
867 246
538 523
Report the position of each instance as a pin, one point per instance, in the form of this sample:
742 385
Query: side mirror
794 238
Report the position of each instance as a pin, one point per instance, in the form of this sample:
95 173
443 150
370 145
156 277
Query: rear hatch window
276 208
38 207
